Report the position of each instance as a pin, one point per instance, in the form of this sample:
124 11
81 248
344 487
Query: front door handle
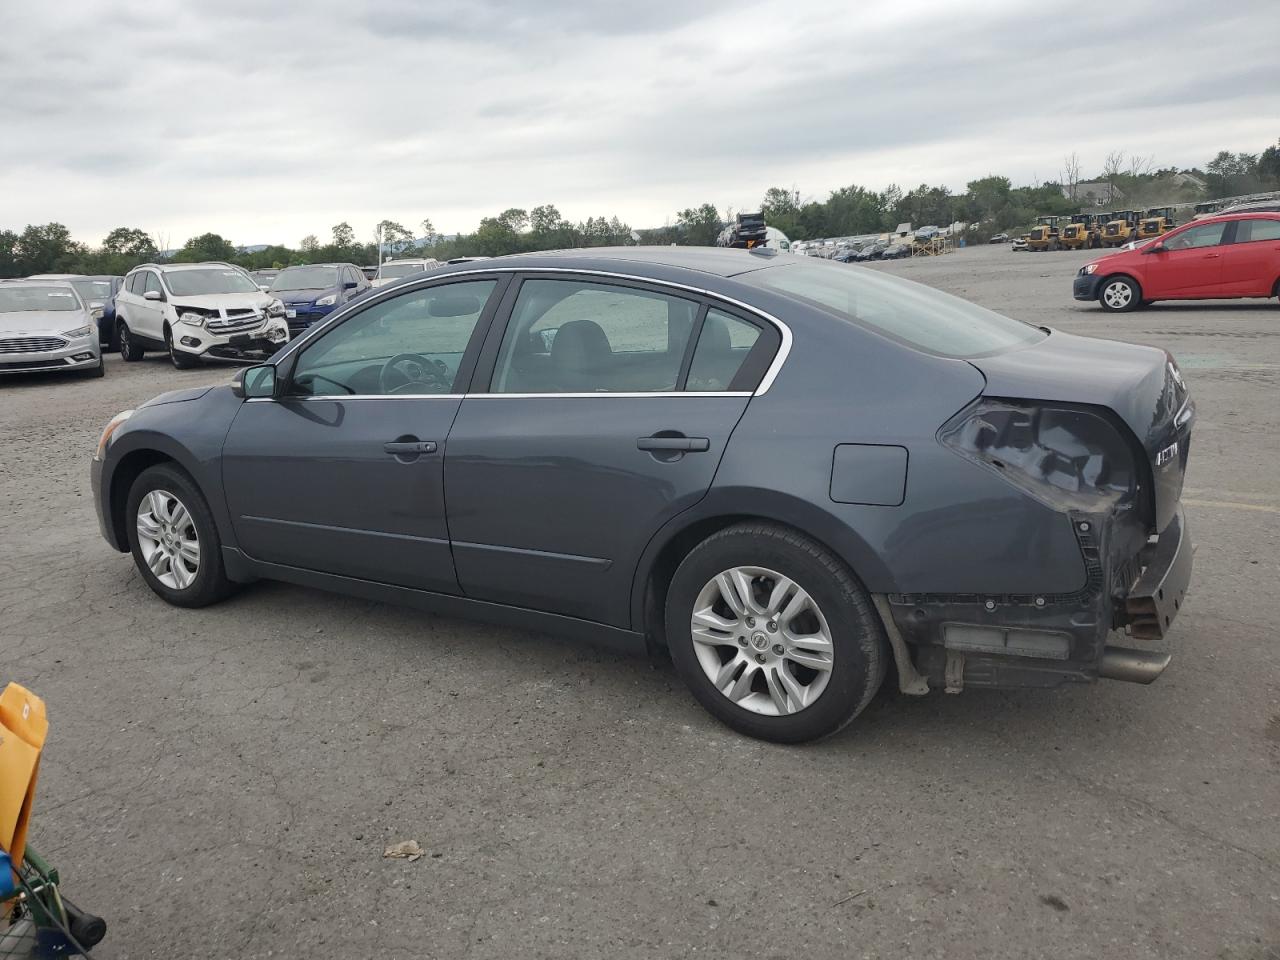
680 444
1212 256
402 448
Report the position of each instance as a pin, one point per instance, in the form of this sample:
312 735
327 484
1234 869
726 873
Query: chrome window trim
771 374
507 396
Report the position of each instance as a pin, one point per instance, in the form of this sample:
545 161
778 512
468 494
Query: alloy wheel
1117 295
168 540
762 641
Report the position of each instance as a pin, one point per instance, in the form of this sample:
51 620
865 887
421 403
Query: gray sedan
796 476
45 325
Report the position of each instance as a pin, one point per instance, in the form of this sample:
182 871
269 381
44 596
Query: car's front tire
174 539
130 349
1119 295
179 359
773 635
99 371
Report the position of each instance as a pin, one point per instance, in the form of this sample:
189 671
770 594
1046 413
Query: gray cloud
266 122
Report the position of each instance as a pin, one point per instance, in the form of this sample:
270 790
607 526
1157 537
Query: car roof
1240 215
300 266
716 261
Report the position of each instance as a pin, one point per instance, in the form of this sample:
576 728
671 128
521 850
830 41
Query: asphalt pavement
222 782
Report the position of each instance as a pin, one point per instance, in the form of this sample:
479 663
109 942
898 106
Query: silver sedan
45 325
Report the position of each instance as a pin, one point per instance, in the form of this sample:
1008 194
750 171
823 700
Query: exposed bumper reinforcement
1132 666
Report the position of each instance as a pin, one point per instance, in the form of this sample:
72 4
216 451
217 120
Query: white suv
194 310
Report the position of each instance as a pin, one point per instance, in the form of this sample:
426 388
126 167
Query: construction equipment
1122 228
1157 222
1044 235
1081 233
746 231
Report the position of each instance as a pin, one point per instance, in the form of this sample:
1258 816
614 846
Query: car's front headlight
328 301
1087 269
275 309
195 319
78 332
112 426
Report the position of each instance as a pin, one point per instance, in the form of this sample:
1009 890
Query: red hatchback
1237 255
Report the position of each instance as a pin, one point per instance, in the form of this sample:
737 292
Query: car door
1189 264
342 472
145 317
1251 262
599 425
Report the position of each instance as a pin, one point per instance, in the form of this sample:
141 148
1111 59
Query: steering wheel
414 370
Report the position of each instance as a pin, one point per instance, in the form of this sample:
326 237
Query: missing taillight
1066 457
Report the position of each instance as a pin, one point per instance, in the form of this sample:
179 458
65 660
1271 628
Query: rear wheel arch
681 535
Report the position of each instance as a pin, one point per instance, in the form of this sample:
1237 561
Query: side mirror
153 295
350 285
255 382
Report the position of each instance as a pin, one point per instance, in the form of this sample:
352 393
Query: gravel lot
222 782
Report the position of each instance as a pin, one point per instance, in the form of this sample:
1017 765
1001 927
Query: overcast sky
267 124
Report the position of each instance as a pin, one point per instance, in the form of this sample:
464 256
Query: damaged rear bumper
1009 641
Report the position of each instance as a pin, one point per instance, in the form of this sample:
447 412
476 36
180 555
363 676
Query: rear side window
1252 231
723 347
135 283
910 313
572 336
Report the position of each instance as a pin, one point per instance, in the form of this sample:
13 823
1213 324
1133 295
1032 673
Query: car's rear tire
180 360
1119 294
798 658
174 539
130 349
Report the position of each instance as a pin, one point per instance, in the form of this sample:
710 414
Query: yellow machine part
23 728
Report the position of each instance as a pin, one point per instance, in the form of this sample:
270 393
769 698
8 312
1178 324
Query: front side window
209 280
408 345
911 313
1252 231
575 336
1207 235
152 282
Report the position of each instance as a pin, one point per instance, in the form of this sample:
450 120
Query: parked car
195 311
311 293
264 278
1223 257
1019 244
999 238
896 251
873 251
98 293
46 325
616 431
369 272
1255 206
396 269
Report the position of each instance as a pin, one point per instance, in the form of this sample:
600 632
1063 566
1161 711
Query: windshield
15 299
401 269
305 278
911 313
90 290
195 283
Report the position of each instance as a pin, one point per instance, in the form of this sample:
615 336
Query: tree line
988 204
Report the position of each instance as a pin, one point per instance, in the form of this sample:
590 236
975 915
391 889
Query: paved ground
221 783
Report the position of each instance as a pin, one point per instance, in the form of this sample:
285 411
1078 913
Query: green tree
514 219
1269 166
207 246
343 236
8 254
700 226
130 242
46 249
395 236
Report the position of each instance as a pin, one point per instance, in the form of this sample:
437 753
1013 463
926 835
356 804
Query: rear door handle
409 447
682 444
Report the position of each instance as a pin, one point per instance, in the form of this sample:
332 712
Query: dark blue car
312 292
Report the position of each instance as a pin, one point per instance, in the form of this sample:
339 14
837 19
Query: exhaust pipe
1132 666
